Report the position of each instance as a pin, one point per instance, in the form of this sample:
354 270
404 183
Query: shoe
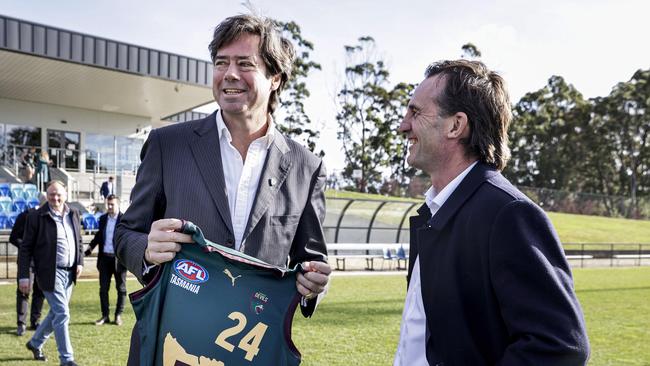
37 352
20 331
102 320
69 363
33 326
118 320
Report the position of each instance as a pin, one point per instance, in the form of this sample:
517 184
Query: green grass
358 324
571 228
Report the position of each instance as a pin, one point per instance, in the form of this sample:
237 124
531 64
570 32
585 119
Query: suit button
230 241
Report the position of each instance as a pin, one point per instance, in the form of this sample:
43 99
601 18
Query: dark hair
112 197
471 88
276 51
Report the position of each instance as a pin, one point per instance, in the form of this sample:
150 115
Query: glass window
23 135
64 148
99 153
128 153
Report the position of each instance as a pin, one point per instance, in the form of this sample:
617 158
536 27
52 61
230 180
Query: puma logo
227 272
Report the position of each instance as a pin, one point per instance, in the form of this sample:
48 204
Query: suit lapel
205 148
479 174
275 172
424 237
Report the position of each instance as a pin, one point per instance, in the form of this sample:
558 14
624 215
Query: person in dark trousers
107 265
488 282
53 241
107 188
22 300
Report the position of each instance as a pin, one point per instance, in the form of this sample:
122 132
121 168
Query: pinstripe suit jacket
181 176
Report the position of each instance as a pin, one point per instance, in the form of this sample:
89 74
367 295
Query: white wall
80 120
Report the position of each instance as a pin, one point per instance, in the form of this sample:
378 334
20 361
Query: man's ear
275 81
459 127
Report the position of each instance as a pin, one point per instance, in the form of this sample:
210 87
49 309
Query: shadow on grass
9 359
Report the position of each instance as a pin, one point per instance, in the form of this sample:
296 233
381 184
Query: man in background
107 188
107 265
22 299
53 241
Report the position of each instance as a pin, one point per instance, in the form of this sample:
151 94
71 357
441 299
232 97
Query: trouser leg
22 301
120 284
105 273
37 303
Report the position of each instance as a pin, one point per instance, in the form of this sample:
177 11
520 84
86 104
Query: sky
592 44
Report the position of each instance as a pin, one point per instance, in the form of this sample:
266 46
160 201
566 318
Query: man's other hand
314 280
164 241
24 285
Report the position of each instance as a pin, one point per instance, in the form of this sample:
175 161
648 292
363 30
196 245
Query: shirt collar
66 210
435 200
225 133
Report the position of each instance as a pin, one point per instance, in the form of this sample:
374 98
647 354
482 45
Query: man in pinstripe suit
233 173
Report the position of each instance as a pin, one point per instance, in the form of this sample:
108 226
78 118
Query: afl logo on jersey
190 271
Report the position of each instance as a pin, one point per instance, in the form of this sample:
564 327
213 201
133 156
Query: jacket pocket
285 220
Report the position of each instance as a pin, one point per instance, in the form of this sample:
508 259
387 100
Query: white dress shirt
411 349
242 177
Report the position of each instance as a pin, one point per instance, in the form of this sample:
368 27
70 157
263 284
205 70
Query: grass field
571 228
358 324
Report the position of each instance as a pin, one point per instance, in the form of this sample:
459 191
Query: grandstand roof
44 64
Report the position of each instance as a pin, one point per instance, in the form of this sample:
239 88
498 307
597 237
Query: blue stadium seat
89 222
5 204
401 256
12 219
30 191
387 256
19 205
4 221
32 203
17 190
5 190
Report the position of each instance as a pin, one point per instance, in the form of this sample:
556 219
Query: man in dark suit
107 265
53 241
233 173
22 300
488 282
107 188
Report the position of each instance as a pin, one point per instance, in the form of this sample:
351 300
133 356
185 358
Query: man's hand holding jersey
164 241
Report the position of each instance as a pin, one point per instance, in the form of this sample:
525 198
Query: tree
296 123
622 125
547 137
367 135
470 51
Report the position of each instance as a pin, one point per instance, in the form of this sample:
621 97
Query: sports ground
358 323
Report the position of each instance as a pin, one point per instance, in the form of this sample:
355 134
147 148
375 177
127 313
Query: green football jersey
212 305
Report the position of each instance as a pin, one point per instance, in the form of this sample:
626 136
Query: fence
378 221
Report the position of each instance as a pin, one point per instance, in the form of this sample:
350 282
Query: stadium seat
5 190
17 190
401 256
30 191
12 219
19 205
5 204
32 203
89 222
387 256
4 221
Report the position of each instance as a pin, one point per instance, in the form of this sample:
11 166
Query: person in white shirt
488 282
107 265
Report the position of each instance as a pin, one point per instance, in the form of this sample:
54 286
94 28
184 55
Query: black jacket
101 233
39 244
496 287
